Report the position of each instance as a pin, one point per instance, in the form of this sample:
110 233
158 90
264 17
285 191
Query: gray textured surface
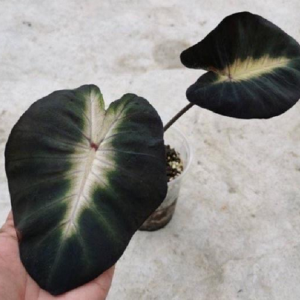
236 232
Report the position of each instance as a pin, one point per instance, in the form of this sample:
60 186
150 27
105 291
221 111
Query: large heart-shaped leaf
82 180
253 68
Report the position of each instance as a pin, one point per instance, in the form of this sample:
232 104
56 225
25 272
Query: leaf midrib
75 207
88 166
238 70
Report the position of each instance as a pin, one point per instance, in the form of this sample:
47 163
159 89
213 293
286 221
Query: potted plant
253 71
83 178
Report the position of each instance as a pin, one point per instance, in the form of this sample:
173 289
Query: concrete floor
236 231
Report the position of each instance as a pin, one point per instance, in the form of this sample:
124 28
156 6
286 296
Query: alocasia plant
83 179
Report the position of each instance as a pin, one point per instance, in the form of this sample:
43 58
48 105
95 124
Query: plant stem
177 116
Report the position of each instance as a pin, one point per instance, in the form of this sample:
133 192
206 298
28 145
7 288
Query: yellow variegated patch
250 68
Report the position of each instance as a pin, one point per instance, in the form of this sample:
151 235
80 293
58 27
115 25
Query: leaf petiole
177 116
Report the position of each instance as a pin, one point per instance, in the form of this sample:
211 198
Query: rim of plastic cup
188 150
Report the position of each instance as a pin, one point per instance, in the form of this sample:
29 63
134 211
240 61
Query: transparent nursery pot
164 213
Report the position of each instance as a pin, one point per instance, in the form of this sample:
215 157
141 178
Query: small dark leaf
82 180
253 68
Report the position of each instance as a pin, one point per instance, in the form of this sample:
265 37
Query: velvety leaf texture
82 180
253 68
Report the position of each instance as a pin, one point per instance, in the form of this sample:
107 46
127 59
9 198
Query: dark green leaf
82 180
253 68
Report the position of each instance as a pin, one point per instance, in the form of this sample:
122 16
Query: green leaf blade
253 69
82 180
